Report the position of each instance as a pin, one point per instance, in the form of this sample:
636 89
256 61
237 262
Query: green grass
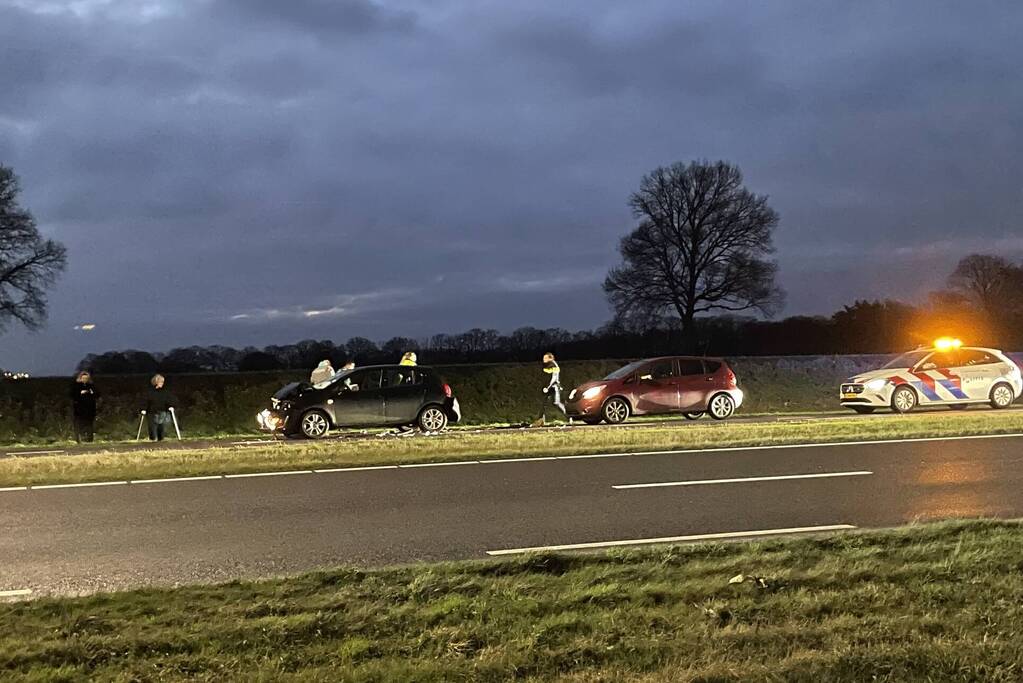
36 411
107 465
938 602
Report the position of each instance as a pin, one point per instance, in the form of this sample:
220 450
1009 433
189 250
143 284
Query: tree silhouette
700 246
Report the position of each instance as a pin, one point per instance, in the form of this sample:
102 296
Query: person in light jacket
323 372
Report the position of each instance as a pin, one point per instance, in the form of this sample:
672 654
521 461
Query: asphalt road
74 540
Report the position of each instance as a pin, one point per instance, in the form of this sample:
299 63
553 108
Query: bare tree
991 283
700 246
28 263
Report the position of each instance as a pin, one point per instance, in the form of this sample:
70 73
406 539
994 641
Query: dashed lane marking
16 593
743 480
674 539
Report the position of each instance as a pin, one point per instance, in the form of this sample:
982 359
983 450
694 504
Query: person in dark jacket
159 403
83 406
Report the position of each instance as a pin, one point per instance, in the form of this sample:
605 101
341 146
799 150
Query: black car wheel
315 424
616 411
432 419
592 420
693 416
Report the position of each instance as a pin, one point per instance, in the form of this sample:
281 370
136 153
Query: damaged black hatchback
374 396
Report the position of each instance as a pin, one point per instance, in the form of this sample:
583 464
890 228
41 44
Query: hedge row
38 410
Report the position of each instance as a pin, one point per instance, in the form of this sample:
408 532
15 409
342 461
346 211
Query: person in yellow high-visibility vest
552 371
408 359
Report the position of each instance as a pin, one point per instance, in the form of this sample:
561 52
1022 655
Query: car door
404 391
694 385
656 391
359 401
936 379
979 371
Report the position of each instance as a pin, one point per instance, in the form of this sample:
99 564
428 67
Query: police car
948 373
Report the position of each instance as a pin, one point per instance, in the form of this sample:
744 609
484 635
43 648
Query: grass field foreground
110 465
939 602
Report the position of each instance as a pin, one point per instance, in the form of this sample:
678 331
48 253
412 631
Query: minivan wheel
315 424
432 419
616 411
903 400
1001 396
721 407
693 416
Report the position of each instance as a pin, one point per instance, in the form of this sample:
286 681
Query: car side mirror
928 366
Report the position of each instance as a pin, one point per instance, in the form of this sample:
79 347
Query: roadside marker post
142 419
174 417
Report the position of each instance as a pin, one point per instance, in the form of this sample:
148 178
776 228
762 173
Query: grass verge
466 445
939 602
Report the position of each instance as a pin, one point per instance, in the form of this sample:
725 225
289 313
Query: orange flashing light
947 344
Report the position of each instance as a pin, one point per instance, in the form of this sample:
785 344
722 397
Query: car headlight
876 384
593 391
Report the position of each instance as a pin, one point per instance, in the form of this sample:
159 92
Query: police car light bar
947 344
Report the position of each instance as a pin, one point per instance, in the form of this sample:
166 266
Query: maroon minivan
676 384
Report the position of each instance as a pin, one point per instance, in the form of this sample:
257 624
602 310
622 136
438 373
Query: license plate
850 395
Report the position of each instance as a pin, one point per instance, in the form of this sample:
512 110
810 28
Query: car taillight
447 390
731 378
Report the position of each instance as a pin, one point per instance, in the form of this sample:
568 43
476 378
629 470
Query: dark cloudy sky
261 171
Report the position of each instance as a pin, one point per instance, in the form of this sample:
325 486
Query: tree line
982 303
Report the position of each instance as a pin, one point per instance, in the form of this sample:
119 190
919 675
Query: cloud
209 159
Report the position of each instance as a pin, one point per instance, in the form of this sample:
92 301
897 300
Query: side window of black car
402 377
366 381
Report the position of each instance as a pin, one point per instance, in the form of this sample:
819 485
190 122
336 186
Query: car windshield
906 360
626 371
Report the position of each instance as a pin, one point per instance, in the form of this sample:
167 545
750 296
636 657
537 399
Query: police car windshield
906 360
626 371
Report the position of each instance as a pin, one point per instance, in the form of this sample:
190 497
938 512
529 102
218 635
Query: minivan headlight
876 384
593 391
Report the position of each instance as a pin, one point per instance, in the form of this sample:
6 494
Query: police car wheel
615 411
1001 396
315 425
864 410
903 400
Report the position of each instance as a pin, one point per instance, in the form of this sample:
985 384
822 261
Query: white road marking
14 488
741 480
691 451
266 474
161 481
364 468
17 453
16 593
489 461
675 539
78 486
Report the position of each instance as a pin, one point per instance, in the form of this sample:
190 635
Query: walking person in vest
83 406
159 403
552 391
